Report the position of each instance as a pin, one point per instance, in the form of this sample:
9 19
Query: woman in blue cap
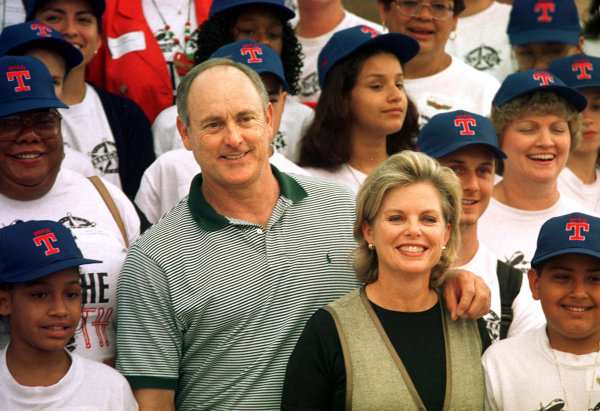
363 114
580 179
538 123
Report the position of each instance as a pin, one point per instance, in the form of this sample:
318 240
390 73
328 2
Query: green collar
206 216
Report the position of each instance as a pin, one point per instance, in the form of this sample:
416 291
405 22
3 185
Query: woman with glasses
434 80
541 34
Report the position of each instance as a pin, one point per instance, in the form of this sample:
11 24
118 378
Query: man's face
475 166
29 164
228 133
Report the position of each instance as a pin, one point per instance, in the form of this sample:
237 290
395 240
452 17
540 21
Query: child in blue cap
556 366
40 298
466 143
580 179
542 31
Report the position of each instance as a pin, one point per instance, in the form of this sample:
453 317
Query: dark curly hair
591 27
216 32
326 143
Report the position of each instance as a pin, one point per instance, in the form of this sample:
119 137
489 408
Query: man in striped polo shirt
213 297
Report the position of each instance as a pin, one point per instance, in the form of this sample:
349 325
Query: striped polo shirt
212 306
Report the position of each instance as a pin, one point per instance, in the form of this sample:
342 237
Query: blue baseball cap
35 249
260 58
25 84
345 42
219 6
15 38
574 233
98 5
531 81
453 130
577 71
543 21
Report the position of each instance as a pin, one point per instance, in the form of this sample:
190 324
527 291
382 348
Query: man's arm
466 294
155 399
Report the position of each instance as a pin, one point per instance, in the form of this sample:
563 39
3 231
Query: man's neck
469 245
318 19
475 6
253 203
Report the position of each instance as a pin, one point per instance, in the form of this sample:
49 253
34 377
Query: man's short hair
183 90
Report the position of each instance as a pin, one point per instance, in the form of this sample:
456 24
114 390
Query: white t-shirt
311 47
345 174
87 386
458 87
85 128
168 180
586 194
75 202
482 42
76 161
527 312
591 47
175 14
511 234
521 374
294 121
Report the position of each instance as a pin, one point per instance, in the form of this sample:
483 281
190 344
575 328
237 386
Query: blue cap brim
544 36
572 96
18 106
572 250
72 55
451 148
48 269
285 12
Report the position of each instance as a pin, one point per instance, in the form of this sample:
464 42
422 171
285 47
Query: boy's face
56 65
475 166
43 314
569 291
276 97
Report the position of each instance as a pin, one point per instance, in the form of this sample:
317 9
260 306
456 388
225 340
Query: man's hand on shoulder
466 294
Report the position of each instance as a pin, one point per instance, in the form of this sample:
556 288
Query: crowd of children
103 139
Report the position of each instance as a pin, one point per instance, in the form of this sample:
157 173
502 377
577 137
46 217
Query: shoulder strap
97 182
510 280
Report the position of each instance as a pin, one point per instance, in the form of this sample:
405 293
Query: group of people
331 216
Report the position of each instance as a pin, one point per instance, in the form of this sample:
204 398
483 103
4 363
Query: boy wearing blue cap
556 366
40 298
467 143
542 31
41 41
580 179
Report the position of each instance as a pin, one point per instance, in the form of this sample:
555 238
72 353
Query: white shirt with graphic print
75 202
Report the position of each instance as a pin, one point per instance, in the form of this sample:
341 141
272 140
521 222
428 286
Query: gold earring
452 36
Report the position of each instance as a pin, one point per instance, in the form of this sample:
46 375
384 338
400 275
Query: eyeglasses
527 58
45 124
439 10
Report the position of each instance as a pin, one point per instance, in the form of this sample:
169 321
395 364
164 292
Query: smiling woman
365 350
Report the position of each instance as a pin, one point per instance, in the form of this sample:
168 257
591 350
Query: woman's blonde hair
400 170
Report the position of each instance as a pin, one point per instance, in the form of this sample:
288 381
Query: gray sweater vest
375 376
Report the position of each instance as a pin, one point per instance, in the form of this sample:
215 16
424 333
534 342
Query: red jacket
139 75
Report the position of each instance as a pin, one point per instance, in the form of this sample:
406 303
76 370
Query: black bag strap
510 280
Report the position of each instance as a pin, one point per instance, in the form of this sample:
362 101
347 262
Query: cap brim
451 148
572 96
284 83
285 12
49 269
544 36
72 55
18 106
572 250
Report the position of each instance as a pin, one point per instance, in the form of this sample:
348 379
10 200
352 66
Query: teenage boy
556 366
467 143
40 298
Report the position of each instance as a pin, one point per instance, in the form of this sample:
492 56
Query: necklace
562 385
183 62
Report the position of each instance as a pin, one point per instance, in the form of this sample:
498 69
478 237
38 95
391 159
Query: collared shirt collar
206 216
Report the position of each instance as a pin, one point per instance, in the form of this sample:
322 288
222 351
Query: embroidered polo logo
42 29
582 67
545 8
45 240
545 77
577 228
253 51
20 76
